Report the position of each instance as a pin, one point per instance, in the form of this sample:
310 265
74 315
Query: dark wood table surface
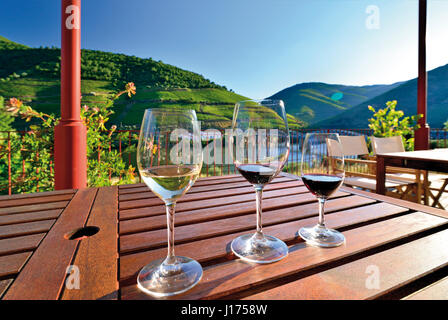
394 249
428 160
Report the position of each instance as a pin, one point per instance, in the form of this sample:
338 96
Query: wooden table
395 249
428 160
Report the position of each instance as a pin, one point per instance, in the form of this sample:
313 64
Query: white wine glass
259 149
322 173
169 159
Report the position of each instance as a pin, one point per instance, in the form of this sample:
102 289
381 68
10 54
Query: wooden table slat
19 244
29 216
35 200
198 188
218 247
211 201
189 212
212 178
151 239
224 207
11 264
16 230
229 278
141 199
97 257
399 202
394 268
34 207
55 253
36 194
4 284
435 291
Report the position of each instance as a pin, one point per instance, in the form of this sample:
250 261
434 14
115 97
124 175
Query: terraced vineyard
32 75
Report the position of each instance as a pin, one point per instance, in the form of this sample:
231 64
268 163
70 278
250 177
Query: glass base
259 248
162 280
321 236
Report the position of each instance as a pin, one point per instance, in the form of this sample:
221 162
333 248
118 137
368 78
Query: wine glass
322 173
259 149
169 159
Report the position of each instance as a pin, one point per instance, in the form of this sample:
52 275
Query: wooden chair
386 145
435 192
419 177
439 192
360 170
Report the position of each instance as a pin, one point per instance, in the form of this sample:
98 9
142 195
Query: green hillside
406 96
8 44
32 75
315 101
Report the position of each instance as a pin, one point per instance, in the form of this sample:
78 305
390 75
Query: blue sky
255 47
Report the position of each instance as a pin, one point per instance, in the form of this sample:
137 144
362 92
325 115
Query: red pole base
70 161
421 139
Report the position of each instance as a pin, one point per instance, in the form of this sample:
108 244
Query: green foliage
16 60
5 118
36 147
389 122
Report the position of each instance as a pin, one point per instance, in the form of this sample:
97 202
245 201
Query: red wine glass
322 173
260 147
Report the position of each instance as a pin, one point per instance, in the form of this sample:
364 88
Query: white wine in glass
169 159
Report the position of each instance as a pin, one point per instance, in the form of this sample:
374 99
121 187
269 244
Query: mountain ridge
406 96
315 101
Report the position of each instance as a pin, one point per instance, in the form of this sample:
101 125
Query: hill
32 75
406 96
314 101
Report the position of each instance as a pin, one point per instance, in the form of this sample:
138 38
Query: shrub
105 166
390 122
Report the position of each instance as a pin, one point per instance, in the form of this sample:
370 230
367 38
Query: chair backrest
354 145
334 148
385 145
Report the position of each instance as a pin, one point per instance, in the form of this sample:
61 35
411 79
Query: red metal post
422 134
70 160
9 165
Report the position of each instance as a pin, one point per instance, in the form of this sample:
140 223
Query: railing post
70 135
9 165
37 171
422 134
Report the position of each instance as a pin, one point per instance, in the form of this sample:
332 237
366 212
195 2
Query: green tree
389 122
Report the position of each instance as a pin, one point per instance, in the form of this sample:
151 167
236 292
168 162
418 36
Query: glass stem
259 197
170 208
321 212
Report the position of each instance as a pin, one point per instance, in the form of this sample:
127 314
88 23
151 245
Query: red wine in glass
322 185
259 150
256 174
322 169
